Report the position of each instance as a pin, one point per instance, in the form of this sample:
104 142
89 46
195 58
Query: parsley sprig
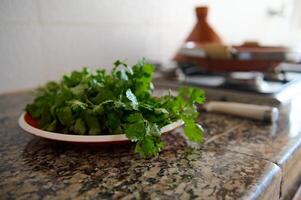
87 103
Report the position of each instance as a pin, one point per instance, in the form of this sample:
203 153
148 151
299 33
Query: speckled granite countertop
240 159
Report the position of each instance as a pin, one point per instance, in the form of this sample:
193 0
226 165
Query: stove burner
242 87
246 80
253 82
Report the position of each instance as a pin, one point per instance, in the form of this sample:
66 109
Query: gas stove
263 88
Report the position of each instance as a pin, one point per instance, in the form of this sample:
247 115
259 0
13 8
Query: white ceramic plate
25 125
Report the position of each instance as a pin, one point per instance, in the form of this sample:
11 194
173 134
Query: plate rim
84 138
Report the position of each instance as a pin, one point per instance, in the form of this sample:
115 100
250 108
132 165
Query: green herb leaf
193 131
120 102
132 98
80 127
65 116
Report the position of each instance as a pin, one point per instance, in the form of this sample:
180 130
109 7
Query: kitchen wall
39 40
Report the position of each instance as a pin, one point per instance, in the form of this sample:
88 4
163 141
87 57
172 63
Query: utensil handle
251 111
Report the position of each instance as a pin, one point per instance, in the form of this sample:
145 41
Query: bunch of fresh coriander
87 103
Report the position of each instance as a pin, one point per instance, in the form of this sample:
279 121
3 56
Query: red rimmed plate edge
27 123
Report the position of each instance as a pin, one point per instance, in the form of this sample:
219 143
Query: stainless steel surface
249 80
273 93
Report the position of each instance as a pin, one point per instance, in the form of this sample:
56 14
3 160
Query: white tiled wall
40 39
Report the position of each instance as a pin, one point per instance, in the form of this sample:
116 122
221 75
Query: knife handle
251 111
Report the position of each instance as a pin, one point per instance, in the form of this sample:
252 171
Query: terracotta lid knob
201 12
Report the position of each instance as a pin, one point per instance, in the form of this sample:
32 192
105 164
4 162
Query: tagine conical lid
202 32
